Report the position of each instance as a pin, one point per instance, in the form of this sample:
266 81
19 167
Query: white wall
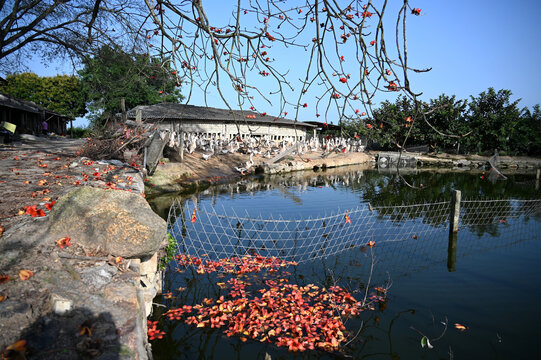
230 130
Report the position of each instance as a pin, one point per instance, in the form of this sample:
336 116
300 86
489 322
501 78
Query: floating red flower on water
348 220
153 332
288 315
194 218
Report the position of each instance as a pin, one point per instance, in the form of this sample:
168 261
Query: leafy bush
81 132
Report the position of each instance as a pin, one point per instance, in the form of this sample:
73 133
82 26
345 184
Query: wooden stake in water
455 211
454 217
451 252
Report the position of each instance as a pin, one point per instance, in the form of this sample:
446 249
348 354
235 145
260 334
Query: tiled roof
14 103
26 105
171 111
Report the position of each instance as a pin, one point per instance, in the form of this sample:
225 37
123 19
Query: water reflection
360 185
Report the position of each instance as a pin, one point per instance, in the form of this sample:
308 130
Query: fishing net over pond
405 234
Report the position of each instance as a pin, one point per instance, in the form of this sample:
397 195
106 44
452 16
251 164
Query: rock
117 222
60 304
462 162
149 267
166 178
129 156
98 276
121 292
172 153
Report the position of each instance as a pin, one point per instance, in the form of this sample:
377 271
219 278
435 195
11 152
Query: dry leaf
64 242
17 346
25 274
4 279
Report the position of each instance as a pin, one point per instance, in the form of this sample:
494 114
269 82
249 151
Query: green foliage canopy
488 122
113 74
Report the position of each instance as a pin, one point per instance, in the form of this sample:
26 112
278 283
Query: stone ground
76 303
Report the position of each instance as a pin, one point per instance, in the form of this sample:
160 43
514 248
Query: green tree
54 28
526 138
393 122
113 74
60 93
494 119
445 117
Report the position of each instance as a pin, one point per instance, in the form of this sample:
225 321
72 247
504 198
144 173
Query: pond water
487 278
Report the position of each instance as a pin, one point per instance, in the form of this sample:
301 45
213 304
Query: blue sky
470 45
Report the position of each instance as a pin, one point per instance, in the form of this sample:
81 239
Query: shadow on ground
77 334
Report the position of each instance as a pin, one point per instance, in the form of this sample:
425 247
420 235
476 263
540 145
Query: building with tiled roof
221 123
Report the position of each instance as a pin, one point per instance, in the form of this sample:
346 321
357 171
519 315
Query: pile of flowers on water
233 265
273 310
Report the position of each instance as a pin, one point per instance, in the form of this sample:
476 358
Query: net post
454 216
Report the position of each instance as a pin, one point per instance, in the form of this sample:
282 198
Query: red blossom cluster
34 211
392 86
234 265
288 315
154 333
